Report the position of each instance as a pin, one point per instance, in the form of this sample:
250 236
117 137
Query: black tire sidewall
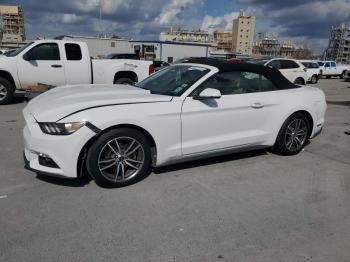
96 147
314 79
10 91
124 81
280 145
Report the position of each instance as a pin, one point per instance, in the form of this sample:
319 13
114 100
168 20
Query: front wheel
6 91
293 135
343 75
119 157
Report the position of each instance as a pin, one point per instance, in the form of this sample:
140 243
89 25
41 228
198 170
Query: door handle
56 66
257 105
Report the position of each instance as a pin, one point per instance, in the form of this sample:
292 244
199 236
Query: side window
275 64
327 64
73 51
288 64
333 64
48 51
237 82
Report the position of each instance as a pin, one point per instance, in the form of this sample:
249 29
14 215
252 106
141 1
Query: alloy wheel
296 134
3 92
121 159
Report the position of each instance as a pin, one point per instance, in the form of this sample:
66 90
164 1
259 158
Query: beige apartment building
183 35
243 34
223 40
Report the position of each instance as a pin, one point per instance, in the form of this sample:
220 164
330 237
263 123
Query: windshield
173 80
19 50
320 63
257 62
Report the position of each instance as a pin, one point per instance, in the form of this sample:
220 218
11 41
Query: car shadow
68 182
19 98
210 161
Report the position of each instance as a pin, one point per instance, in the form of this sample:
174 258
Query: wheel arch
83 152
307 115
126 74
8 76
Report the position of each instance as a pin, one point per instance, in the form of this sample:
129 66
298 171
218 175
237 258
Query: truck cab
60 62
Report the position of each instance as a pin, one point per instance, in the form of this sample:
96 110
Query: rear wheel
314 79
6 91
124 81
293 135
343 75
119 158
299 81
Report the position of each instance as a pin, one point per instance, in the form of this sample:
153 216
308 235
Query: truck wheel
328 77
124 81
6 91
343 75
299 81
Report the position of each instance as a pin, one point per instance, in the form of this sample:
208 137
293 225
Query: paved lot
248 207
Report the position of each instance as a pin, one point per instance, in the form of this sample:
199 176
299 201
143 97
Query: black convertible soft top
225 66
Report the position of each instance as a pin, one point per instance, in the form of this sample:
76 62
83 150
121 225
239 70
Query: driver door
41 64
235 119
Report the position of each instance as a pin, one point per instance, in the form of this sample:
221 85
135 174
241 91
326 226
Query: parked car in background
60 62
292 69
197 109
313 71
331 68
158 65
132 56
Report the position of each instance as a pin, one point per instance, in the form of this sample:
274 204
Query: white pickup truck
59 62
331 68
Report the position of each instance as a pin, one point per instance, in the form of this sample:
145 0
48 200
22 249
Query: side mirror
28 56
208 93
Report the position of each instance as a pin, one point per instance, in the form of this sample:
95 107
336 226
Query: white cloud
175 11
71 18
212 23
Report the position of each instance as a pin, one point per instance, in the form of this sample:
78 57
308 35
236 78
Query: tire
110 164
7 91
328 77
343 75
299 81
124 81
314 79
288 142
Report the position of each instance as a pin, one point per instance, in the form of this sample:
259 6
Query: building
102 46
223 40
243 34
339 45
268 45
169 51
12 32
182 35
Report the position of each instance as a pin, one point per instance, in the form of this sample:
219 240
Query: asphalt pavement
255 206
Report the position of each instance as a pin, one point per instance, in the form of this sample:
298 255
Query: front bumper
63 150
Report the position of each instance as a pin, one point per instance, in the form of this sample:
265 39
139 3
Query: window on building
237 82
112 44
47 51
73 52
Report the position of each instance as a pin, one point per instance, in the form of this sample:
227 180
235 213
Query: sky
307 22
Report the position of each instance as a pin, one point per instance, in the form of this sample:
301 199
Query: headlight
60 129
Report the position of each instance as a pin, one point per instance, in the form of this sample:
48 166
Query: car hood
62 101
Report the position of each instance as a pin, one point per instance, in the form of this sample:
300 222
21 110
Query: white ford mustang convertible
200 108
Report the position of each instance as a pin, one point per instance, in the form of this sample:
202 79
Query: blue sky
305 22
